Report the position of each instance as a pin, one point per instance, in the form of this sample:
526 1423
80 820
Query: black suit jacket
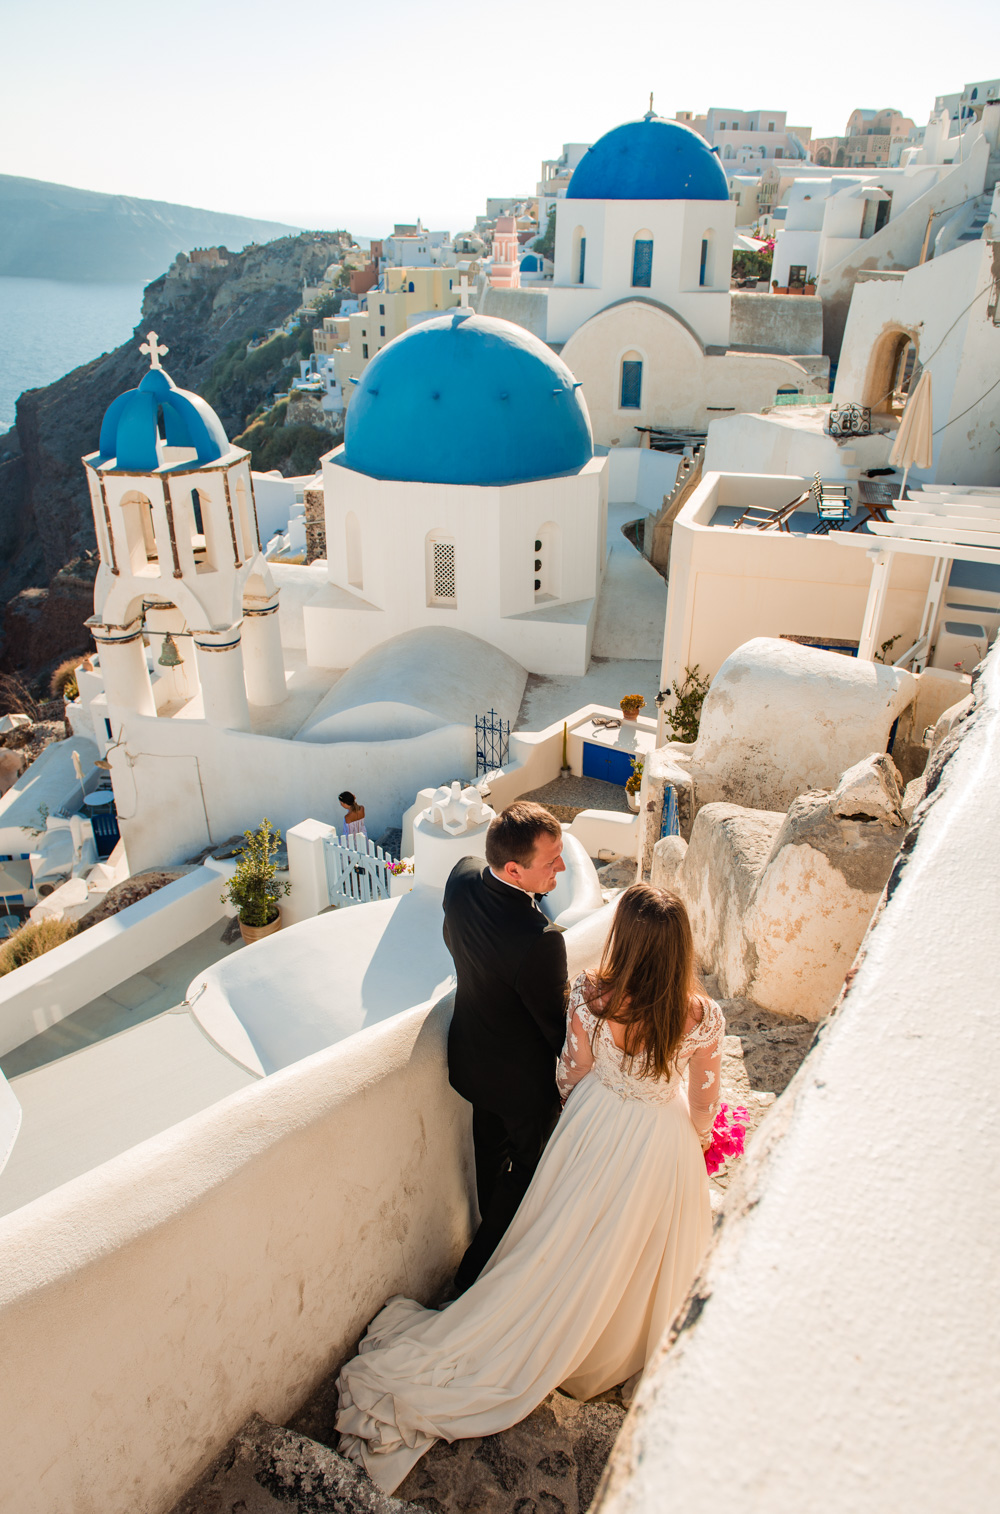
509 1023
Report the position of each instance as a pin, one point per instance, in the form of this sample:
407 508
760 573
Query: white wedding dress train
595 1265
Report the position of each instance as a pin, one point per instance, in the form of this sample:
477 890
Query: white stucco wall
224 1268
170 776
682 384
610 227
943 305
384 589
46 990
841 1343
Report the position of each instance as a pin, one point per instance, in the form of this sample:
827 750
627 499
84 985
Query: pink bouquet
727 1137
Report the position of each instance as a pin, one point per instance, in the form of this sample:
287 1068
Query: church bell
169 656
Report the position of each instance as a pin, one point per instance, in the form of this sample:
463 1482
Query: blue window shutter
631 385
704 262
583 257
642 265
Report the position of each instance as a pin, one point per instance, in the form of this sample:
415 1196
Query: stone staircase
974 230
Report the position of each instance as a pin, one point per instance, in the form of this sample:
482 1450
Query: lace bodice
590 1048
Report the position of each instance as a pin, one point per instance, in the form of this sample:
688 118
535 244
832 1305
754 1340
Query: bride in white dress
607 1241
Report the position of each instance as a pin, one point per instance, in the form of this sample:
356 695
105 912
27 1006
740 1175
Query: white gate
357 870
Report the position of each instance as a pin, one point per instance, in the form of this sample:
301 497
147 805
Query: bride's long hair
647 977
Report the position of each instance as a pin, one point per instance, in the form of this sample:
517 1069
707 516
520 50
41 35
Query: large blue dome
649 160
130 432
465 399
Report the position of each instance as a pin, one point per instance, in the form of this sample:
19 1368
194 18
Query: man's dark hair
513 834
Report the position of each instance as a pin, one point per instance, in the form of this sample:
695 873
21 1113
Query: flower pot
809 289
633 802
256 932
400 884
630 714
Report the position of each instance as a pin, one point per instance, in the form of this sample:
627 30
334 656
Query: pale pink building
506 271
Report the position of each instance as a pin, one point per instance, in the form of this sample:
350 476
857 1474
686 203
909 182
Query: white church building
466 495
640 307
467 531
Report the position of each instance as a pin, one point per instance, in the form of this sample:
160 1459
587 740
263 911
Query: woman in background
354 815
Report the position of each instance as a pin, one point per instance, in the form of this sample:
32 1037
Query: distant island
50 231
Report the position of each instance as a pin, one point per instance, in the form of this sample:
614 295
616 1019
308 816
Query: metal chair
832 503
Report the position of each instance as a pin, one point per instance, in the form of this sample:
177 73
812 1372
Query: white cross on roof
152 347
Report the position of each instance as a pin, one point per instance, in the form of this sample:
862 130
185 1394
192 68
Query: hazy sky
328 114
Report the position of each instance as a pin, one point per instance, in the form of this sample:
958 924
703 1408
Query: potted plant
400 877
253 887
810 285
634 784
631 704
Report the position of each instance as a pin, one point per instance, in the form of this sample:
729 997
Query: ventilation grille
444 570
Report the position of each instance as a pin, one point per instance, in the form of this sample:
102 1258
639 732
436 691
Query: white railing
357 870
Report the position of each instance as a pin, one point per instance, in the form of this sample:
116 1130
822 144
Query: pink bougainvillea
728 1136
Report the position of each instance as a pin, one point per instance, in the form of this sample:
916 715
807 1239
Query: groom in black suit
509 1023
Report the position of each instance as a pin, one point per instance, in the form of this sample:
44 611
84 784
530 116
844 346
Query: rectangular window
770 125
364 349
381 310
779 152
797 274
642 265
444 572
583 259
631 385
381 331
703 266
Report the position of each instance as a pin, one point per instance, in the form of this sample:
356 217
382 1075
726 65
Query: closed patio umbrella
914 444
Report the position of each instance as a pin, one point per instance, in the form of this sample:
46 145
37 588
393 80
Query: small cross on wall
464 291
152 346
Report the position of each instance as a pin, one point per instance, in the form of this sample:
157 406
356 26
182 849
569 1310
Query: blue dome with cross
141 423
649 160
466 399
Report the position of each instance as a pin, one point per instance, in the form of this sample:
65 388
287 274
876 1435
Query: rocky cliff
206 316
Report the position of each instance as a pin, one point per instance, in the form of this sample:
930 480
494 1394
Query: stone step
269 1469
550 1463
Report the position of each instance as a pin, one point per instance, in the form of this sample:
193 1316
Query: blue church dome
466 399
649 160
131 435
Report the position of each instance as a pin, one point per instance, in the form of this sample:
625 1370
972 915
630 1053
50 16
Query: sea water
49 327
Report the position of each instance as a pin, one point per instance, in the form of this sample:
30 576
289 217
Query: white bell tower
181 560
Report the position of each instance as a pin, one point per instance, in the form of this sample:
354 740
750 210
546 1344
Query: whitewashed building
639 304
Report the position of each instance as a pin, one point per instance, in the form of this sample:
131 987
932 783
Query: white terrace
929 579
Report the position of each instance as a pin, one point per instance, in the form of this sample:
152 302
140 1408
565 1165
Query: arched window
631 382
352 533
728 151
140 543
202 529
705 265
642 260
411 287
442 589
547 562
891 373
579 264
